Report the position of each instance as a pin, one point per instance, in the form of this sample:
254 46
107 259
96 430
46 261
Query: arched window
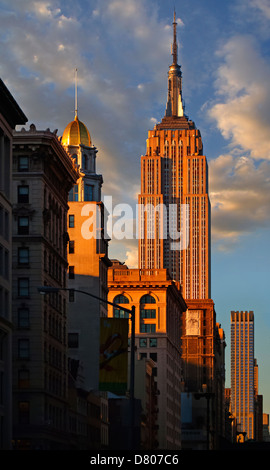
118 313
121 299
147 299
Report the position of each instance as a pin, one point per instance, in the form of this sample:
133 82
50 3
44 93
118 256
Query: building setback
43 175
10 116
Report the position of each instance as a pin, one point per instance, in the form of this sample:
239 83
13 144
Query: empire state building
174 177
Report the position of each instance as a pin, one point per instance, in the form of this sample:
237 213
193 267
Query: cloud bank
240 179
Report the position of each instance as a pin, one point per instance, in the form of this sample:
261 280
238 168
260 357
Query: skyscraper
174 183
242 370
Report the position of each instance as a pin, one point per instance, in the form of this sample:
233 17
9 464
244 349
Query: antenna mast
76 93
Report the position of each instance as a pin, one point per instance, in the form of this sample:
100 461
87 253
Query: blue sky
121 49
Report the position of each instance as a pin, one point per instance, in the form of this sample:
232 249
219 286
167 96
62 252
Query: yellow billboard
113 355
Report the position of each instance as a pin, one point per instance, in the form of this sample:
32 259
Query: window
73 340
84 162
71 246
23 255
23 317
117 313
71 273
88 192
23 349
74 193
23 193
71 221
23 225
153 356
23 378
23 287
153 342
143 342
148 313
24 412
147 328
23 164
147 299
121 299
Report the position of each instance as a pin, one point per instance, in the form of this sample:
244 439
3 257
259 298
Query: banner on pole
113 357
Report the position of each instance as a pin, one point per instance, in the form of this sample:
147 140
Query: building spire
76 93
174 45
175 105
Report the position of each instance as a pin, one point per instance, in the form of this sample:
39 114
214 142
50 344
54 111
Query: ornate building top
76 133
174 106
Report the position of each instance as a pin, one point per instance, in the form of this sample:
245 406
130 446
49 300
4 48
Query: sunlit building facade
174 177
175 234
159 308
242 370
88 263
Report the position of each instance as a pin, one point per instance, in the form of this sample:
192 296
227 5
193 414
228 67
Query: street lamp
208 396
50 289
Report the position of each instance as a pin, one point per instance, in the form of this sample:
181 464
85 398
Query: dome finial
76 93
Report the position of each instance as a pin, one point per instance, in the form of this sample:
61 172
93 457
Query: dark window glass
147 299
23 255
71 219
23 317
23 348
73 340
23 225
121 299
148 313
71 272
88 192
23 287
23 193
23 164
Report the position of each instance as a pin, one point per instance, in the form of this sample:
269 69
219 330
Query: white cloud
243 83
240 179
240 196
132 258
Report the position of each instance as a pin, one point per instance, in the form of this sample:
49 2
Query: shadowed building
10 116
43 175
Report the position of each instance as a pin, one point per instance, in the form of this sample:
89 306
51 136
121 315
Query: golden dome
76 133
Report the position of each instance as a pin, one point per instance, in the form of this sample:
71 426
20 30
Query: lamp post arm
48 290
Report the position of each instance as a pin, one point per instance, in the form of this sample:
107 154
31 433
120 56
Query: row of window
4 223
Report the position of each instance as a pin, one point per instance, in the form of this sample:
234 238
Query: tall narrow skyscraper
174 177
242 370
